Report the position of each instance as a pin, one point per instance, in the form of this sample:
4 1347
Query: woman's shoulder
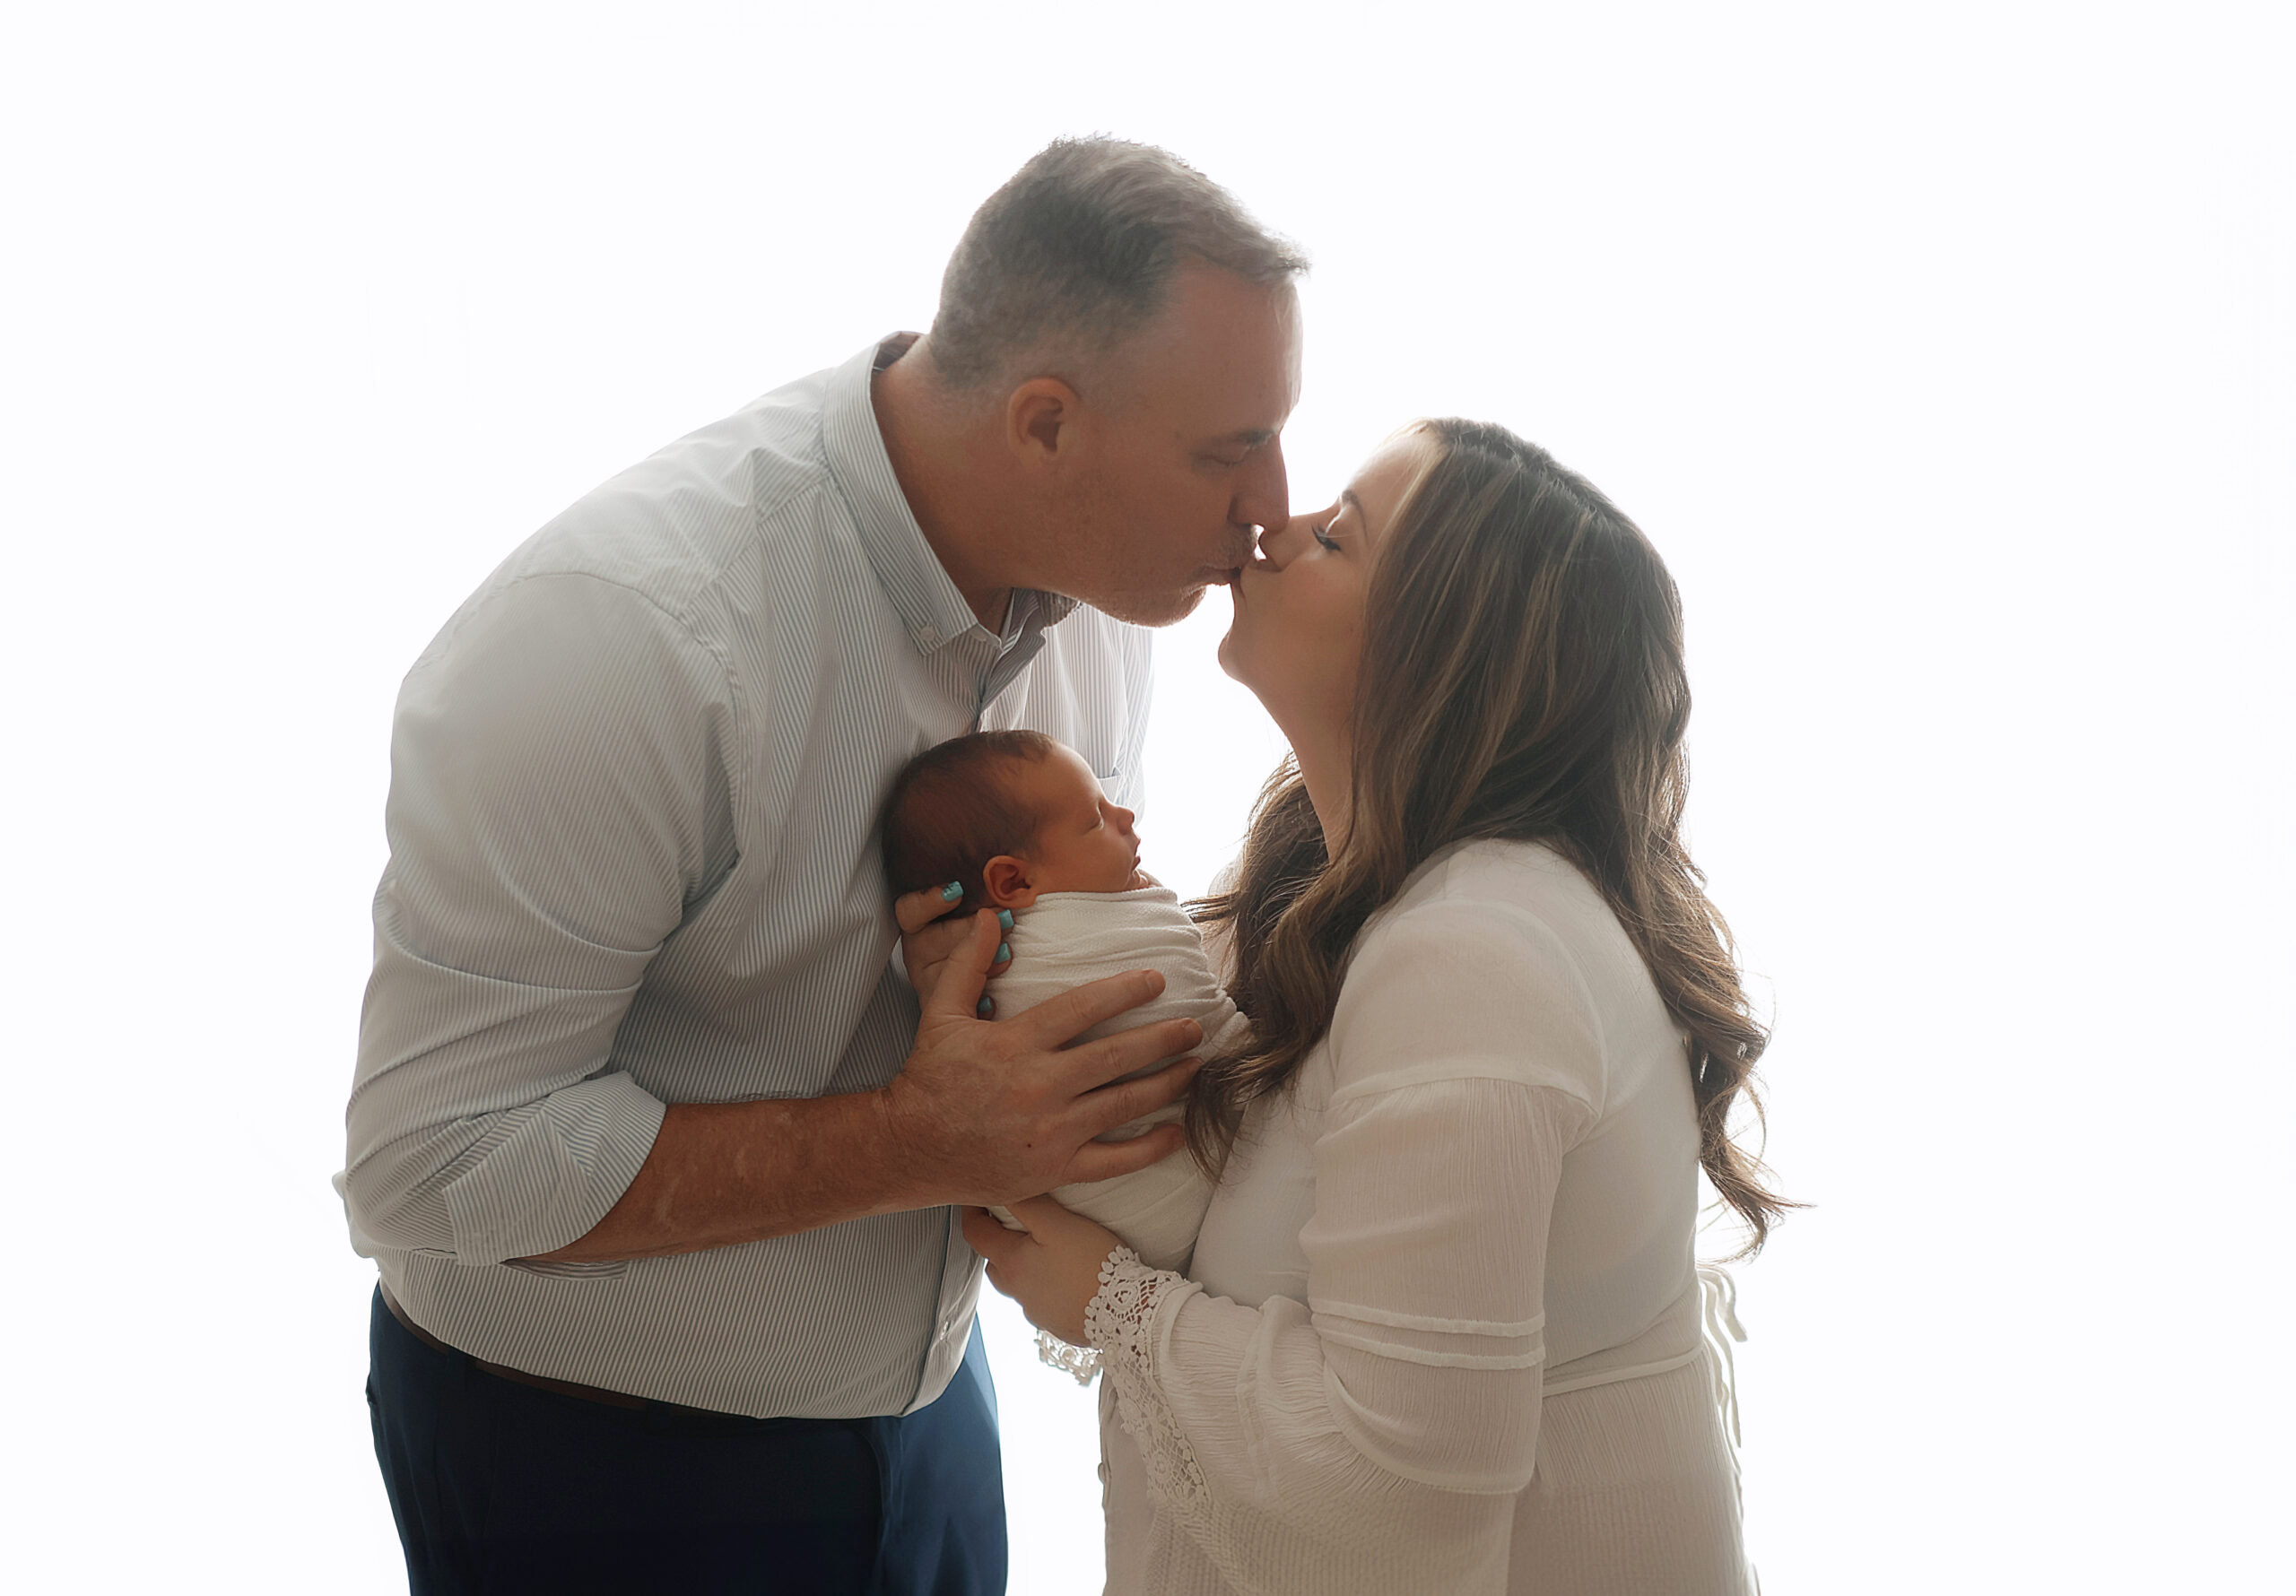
1522 899
1475 968
1527 884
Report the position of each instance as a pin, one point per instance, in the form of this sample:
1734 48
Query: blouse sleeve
1374 1437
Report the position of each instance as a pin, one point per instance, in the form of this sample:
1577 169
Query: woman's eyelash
1323 535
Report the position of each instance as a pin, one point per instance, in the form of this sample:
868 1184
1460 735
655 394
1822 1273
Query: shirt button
928 636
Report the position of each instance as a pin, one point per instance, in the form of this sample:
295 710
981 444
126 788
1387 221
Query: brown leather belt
503 1371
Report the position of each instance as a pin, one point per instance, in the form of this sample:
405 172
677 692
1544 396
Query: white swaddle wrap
1067 938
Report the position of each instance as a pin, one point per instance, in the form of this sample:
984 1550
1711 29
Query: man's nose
1265 499
1278 543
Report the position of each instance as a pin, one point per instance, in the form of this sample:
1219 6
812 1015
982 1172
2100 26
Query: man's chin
1150 609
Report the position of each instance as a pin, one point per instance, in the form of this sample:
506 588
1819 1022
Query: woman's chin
1227 654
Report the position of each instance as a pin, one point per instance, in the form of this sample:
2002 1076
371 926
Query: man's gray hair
1079 250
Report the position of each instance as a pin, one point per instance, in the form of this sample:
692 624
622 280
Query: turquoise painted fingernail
985 1007
1004 951
1005 918
953 891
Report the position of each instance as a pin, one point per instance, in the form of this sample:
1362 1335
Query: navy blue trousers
501 1488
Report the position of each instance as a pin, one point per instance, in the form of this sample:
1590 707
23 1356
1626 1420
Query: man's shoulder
670 526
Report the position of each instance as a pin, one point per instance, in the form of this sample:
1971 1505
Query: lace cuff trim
1118 1322
1084 1362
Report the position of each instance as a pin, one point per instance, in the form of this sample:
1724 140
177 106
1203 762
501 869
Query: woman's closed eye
1323 536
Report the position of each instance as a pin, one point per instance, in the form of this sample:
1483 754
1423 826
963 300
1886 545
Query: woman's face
1299 627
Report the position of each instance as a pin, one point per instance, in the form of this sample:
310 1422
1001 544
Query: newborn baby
1020 821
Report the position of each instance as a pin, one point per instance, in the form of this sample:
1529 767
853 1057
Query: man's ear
1040 420
1004 880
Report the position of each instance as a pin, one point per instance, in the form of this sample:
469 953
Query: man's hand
991 1112
981 1112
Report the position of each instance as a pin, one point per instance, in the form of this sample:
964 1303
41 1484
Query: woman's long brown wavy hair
1521 679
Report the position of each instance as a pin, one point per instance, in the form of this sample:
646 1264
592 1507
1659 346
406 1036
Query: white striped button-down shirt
632 787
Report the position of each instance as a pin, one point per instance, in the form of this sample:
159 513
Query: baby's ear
1006 881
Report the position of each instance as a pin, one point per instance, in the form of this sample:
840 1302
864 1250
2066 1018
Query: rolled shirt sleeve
559 793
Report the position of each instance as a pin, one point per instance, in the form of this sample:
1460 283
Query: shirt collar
929 605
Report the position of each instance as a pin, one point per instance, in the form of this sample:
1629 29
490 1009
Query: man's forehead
1219 333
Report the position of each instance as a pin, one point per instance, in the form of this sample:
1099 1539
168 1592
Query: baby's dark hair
949 814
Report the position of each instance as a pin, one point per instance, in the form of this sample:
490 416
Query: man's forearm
724 1173
978 1113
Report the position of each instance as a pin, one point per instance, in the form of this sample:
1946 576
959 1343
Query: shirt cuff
561 1165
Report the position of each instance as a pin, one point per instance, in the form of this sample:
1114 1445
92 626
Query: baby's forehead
1068 770
1058 777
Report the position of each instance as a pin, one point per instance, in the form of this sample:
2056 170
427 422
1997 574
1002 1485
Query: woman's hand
1053 1269
930 937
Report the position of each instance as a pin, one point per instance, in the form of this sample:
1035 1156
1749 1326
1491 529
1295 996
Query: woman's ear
1006 881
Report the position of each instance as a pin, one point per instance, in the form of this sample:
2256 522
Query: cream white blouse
1444 1329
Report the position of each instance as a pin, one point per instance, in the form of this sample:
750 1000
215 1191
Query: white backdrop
1948 352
